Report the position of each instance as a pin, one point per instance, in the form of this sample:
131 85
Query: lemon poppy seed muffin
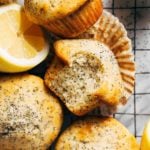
52 9
30 117
84 75
96 134
64 17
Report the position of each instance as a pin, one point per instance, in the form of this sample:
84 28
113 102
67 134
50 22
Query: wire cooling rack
135 15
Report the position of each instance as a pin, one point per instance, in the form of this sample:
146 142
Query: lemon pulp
21 41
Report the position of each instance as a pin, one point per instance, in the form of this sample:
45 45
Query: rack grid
135 15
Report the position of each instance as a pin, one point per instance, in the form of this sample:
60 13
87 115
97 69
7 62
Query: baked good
96 134
64 17
110 31
30 117
88 78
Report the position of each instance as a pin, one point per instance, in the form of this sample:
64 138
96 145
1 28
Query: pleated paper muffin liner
112 33
77 22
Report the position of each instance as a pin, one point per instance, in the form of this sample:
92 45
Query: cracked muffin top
30 117
52 9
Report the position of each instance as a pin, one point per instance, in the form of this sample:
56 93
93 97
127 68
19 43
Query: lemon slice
22 43
145 143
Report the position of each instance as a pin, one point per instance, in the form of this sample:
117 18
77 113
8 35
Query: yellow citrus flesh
22 43
145 143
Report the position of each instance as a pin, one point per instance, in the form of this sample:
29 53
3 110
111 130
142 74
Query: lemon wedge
145 142
22 43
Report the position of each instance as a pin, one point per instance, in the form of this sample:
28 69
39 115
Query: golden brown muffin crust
97 134
65 22
52 9
30 117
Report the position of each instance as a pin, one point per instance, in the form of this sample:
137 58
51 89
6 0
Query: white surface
135 15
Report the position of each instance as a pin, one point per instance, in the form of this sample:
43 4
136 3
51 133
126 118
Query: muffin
96 134
110 31
65 18
30 117
84 75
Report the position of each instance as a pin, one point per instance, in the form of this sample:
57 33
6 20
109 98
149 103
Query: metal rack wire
137 7
134 51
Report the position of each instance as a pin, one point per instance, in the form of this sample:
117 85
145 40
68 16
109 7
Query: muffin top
30 117
88 77
51 9
97 134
